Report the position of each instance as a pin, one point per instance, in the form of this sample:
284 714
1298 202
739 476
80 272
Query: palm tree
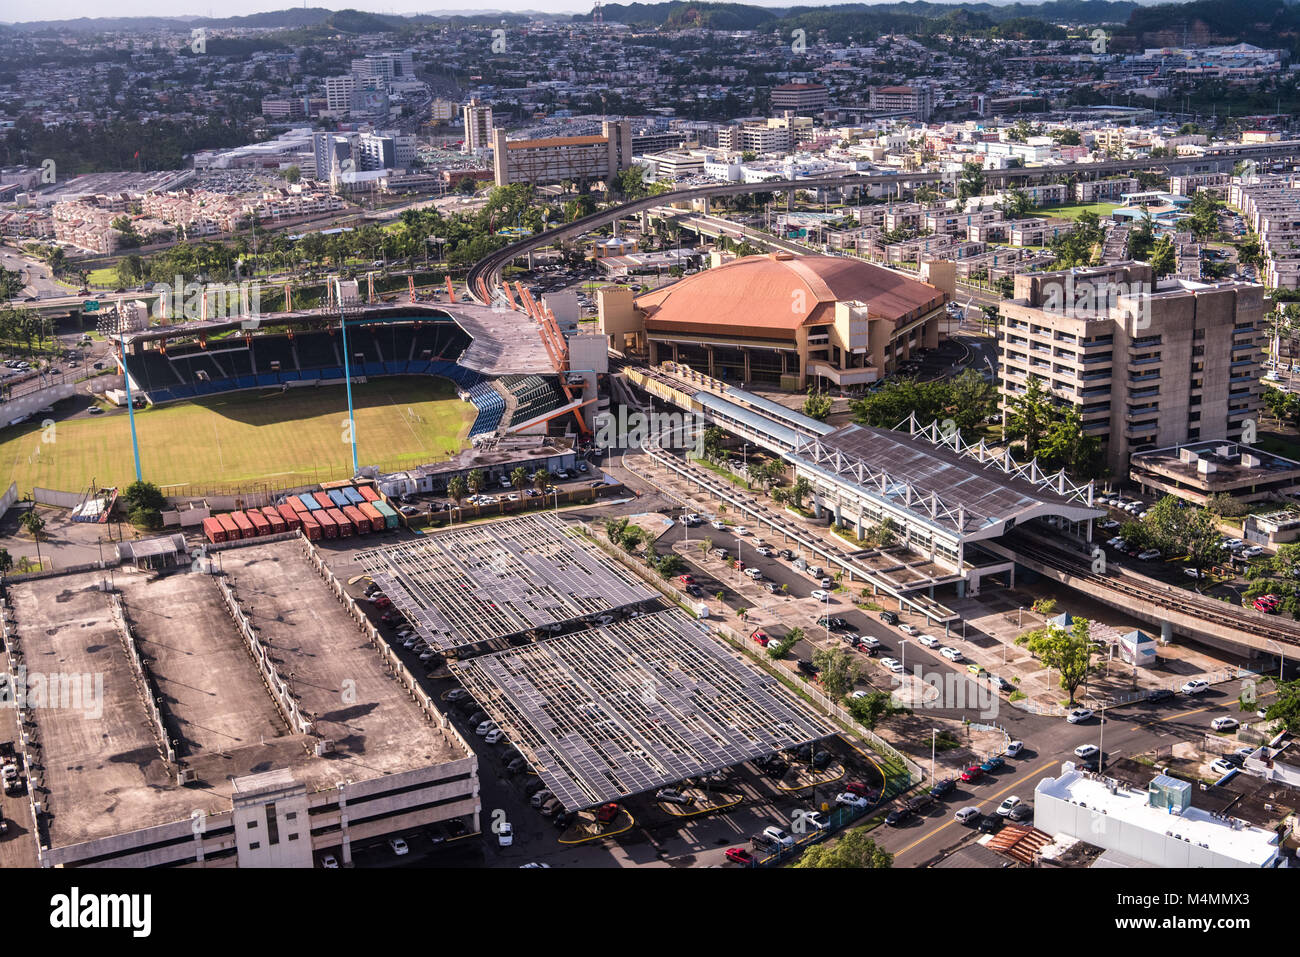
35 524
541 479
519 478
706 545
476 481
457 489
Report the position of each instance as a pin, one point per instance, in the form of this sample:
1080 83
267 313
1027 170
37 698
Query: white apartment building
477 117
338 92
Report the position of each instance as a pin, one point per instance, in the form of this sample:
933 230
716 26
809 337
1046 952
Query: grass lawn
105 278
285 439
1073 211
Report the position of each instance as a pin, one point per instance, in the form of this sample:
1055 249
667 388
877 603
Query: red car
607 812
739 855
862 791
972 773
686 579
1266 603
383 601
761 637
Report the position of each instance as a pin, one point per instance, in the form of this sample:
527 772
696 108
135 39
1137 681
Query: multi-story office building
384 66
656 141
1105 190
1147 365
478 126
555 159
385 151
802 97
283 107
918 99
338 92
333 151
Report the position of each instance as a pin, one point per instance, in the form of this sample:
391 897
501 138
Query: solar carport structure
617 710
483 582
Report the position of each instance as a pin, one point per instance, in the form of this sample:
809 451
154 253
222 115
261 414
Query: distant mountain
341 21
1266 23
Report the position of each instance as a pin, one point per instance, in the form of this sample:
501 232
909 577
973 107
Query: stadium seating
424 348
491 406
536 395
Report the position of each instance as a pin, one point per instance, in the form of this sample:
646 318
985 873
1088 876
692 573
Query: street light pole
933 732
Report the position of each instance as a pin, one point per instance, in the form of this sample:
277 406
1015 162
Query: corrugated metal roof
796 419
760 423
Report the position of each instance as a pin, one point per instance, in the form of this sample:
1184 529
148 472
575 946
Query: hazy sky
12 11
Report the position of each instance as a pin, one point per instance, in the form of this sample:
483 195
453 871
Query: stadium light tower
130 400
347 373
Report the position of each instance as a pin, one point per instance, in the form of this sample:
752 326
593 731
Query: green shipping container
390 517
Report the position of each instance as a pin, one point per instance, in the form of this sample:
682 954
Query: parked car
943 788
972 773
848 799
399 846
952 654
967 815
820 594
861 790
992 764
780 836
738 855
889 618
1195 686
1223 766
930 641
1007 806
989 824
1079 715
909 629
1020 813
1014 748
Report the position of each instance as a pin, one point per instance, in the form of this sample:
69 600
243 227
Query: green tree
476 481
519 478
869 709
854 849
779 649
817 406
1069 652
801 488
1162 259
457 488
541 479
35 525
671 565
839 672
143 495
6 562
1029 416
1285 709
971 183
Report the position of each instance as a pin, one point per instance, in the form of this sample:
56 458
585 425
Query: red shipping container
328 527
368 492
376 517
290 517
229 526
311 528
297 505
246 529
272 516
323 499
212 528
341 520
360 524
260 525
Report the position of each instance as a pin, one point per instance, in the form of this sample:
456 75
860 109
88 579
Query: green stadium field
246 438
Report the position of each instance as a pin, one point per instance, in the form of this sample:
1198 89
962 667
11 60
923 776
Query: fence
49 496
28 737
145 685
8 499
275 684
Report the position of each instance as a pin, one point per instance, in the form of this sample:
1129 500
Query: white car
859 694
820 594
909 629
493 736
329 862
1149 555
1079 715
852 800
1254 551
483 729
1116 542
764 551
1225 724
1014 748
1244 753
1222 766
719 524
1006 806
741 530
1195 686
1086 751
399 846
1192 572
868 641
778 835
754 573
928 640
952 654
893 664
1232 544
506 836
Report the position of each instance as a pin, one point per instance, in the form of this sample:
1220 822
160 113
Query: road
37 276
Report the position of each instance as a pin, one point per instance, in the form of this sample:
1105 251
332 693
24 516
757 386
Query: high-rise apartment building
338 92
478 126
1148 364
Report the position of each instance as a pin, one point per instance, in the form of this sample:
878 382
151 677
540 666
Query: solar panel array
629 707
483 582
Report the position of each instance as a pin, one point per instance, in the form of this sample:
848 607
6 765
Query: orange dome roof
771 296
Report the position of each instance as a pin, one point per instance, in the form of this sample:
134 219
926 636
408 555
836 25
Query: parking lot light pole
933 733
